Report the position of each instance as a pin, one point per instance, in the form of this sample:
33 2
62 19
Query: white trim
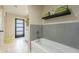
71 21
35 24
61 22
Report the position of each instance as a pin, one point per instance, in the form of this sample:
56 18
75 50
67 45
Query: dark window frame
18 36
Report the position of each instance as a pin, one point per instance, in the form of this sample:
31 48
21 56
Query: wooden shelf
57 15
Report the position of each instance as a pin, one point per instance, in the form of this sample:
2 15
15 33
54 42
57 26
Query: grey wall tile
67 33
33 30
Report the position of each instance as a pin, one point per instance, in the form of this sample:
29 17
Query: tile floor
19 45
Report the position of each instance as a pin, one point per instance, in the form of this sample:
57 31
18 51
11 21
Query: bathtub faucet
38 34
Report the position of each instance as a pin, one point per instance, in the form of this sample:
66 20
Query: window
19 27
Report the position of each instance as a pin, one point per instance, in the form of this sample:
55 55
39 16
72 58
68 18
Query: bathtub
43 45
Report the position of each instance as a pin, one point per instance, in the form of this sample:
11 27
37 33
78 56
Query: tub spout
38 34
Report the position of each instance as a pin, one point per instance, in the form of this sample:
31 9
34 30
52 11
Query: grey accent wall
67 33
33 31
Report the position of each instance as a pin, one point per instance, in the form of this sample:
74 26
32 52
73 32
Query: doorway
19 28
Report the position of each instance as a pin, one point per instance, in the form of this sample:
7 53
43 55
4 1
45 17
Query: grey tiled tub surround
33 31
66 33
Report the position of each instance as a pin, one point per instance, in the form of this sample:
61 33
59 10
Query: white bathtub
47 46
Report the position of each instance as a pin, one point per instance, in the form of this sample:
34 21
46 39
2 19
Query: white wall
75 9
35 14
2 26
74 14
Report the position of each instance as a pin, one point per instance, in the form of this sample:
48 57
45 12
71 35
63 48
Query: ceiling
21 10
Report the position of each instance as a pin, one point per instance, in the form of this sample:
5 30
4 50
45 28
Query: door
19 28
